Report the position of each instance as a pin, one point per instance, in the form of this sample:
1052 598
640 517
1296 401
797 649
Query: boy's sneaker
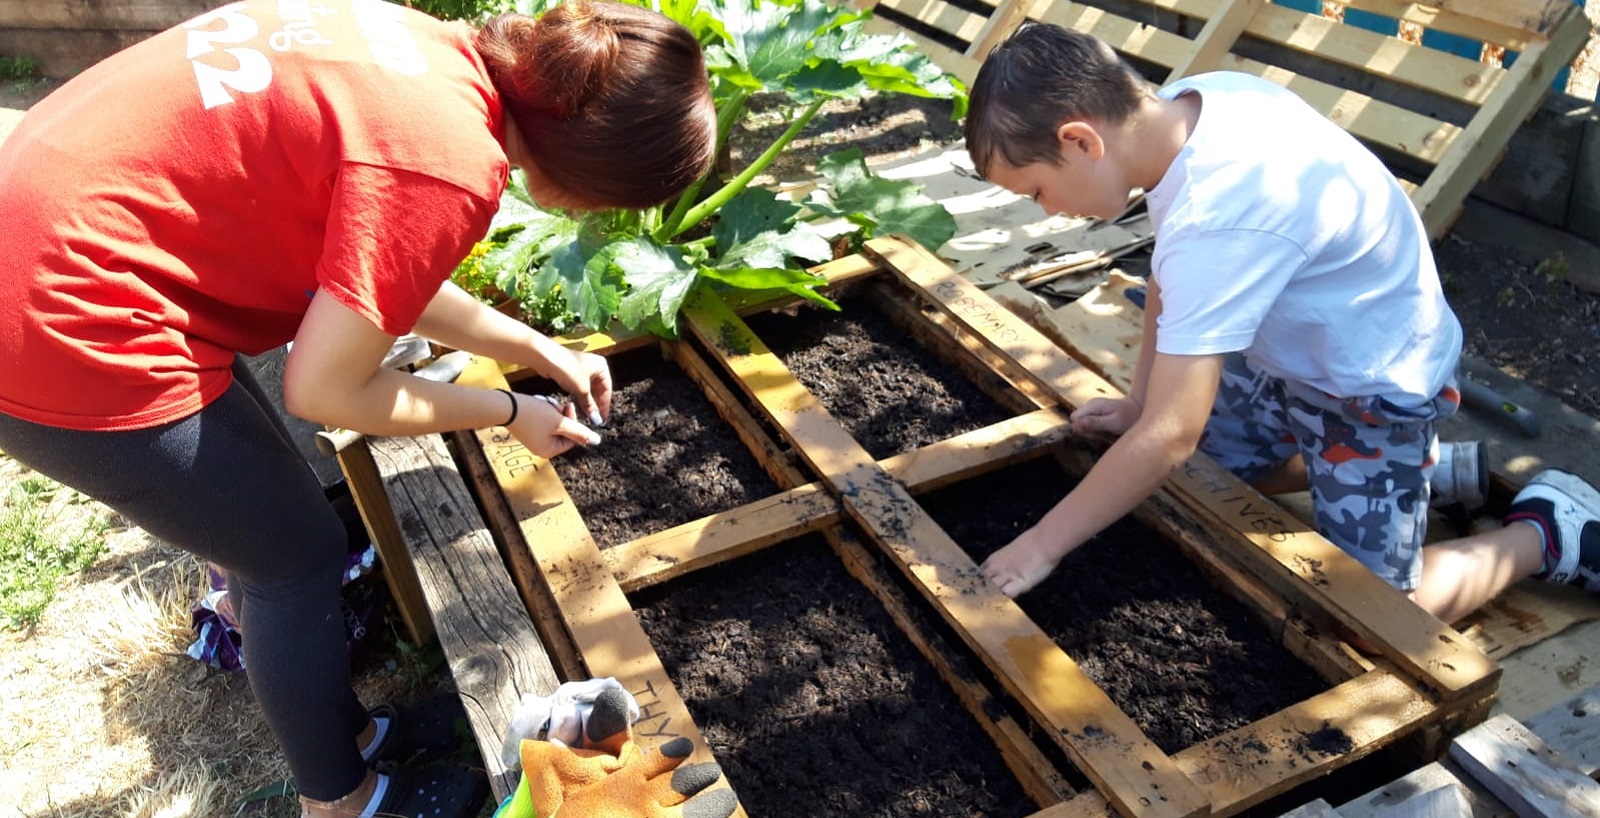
1461 475
1566 510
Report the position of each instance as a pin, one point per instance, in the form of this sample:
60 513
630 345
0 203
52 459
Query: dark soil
1521 314
890 394
812 700
666 457
1183 660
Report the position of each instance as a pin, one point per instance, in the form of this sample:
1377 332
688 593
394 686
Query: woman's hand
547 429
587 378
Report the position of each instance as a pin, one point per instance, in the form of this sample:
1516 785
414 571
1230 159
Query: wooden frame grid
1426 682
1449 156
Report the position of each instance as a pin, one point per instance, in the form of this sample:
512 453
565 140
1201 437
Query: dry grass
103 714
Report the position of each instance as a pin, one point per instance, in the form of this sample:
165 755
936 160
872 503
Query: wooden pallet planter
1426 683
1441 121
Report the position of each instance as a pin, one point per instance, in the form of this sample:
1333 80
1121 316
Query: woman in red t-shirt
275 171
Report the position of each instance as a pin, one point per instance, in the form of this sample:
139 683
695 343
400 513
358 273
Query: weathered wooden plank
1381 123
1263 536
1101 740
1381 802
1572 728
1226 22
1521 770
1314 809
1449 801
493 650
1473 152
1269 757
1306 740
525 575
597 613
1035 772
1459 78
394 553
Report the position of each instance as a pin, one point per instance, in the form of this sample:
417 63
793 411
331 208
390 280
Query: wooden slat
490 643
951 19
1521 770
1263 535
1001 23
719 537
602 623
1572 729
963 67
1445 802
1441 17
1035 772
1222 29
525 575
1467 80
1378 122
1315 809
1382 802
394 554
1099 738
1473 153
1271 756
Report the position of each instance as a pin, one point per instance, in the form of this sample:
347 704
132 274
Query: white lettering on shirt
391 42
249 72
299 25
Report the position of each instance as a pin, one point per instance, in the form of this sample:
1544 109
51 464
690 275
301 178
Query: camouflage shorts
1369 461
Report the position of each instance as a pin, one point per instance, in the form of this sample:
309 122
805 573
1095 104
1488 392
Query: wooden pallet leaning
1503 767
1423 682
1441 156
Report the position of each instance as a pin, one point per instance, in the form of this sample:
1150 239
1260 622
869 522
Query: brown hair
1039 77
612 100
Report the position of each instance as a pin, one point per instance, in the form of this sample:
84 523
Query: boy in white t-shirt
1295 329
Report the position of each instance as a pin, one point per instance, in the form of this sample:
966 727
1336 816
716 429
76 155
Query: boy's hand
1111 416
1022 564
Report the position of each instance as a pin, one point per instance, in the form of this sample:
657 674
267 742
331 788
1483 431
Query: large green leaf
894 205
659 278
757 229
796 282
583 269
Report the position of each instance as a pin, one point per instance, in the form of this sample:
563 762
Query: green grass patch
18 68
47 532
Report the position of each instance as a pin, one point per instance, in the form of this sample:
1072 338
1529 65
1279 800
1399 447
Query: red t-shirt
184 199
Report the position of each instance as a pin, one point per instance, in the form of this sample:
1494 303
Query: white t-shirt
1278 234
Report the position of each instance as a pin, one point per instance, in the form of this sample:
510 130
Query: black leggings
228 485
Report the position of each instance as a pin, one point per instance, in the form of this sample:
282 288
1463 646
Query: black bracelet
514 406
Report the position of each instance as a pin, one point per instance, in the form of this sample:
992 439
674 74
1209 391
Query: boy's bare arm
1178 399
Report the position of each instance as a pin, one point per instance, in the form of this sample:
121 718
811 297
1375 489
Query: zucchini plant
638 266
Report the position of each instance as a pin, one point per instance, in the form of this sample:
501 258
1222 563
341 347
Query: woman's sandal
419 731
433 791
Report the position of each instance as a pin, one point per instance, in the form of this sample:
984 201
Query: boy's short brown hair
1039 77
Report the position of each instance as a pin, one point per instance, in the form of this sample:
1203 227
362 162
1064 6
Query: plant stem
740 182
732 111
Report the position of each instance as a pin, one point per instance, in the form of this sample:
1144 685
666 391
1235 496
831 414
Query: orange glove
611 777
654 785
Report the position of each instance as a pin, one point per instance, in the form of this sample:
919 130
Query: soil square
1184 660
889 393
666 456
812 700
